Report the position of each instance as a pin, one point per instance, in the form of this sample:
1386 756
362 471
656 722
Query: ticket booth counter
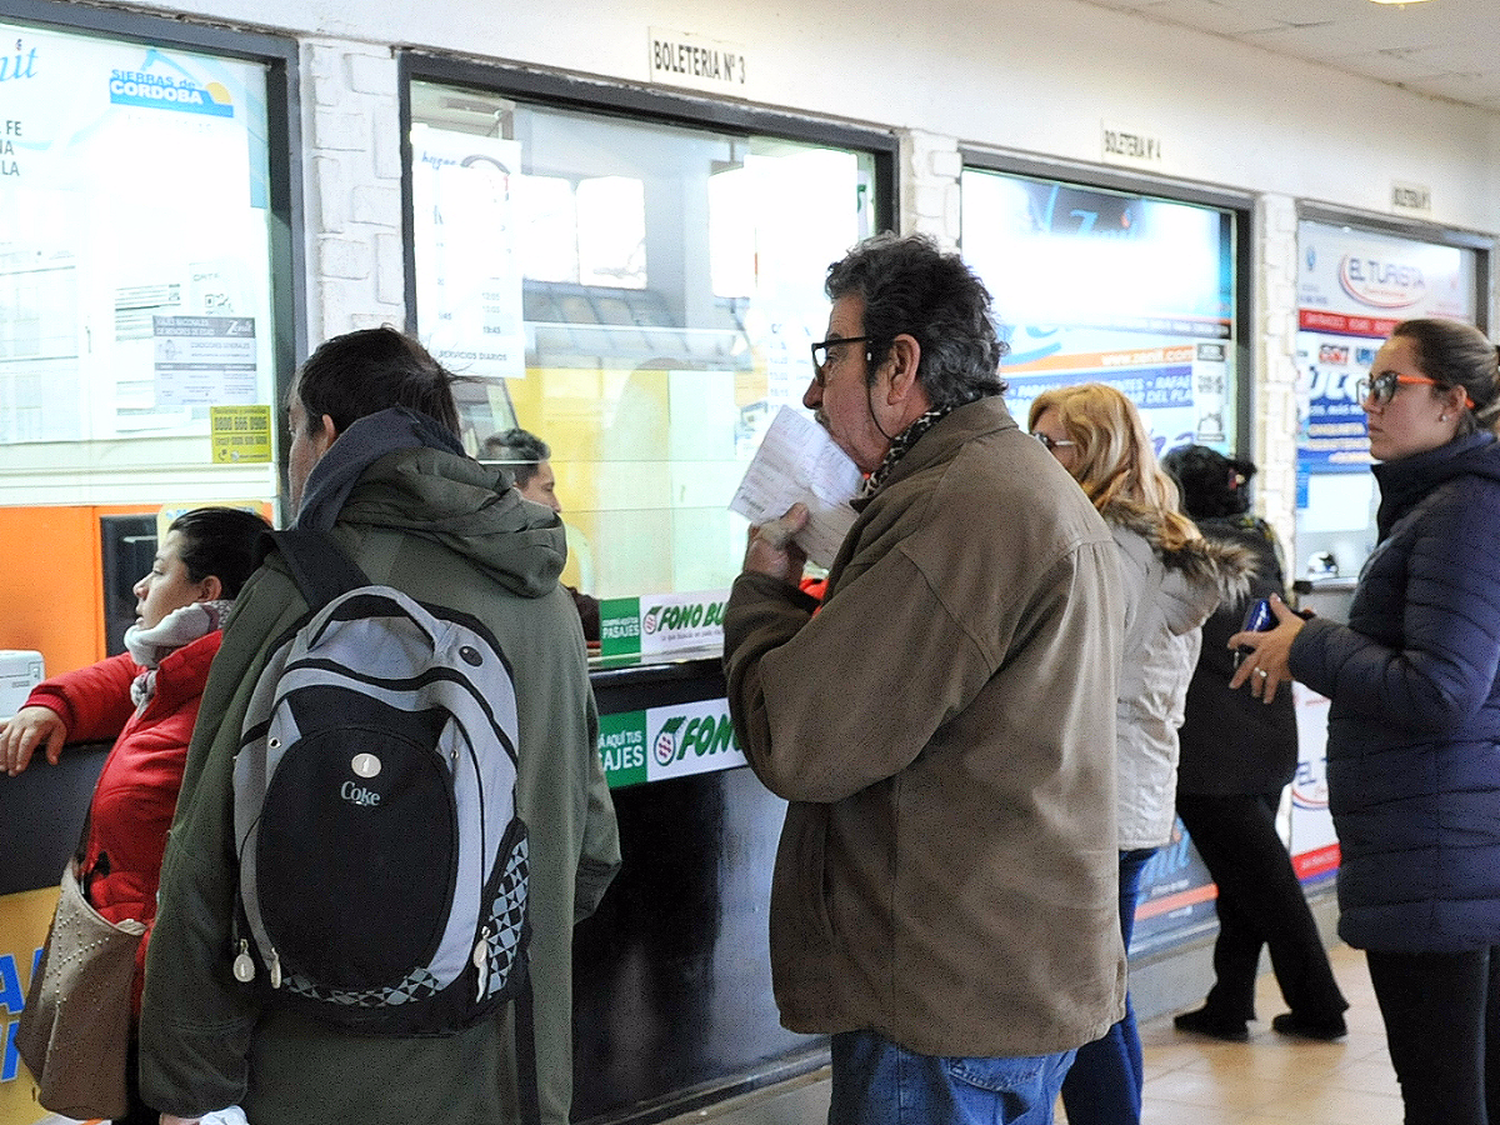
673 1008
672 983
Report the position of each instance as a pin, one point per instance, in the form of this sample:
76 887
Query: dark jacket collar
366 441
1406 481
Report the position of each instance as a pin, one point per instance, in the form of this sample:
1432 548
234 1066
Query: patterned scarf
901 444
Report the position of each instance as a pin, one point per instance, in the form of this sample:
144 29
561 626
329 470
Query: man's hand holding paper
798 463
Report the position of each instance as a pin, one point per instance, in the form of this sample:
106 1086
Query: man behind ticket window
944 897
529 459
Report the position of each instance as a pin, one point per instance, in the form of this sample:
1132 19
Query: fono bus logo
702 736
664 749
694 615
1380 284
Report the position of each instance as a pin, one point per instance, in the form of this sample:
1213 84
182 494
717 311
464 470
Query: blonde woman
1173 579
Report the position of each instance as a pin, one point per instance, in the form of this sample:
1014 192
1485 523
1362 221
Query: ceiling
1445 48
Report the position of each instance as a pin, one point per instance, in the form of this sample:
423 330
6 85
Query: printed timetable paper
797 460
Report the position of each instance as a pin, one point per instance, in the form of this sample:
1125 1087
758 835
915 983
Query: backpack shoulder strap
319 566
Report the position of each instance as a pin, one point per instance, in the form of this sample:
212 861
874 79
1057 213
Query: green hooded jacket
446 530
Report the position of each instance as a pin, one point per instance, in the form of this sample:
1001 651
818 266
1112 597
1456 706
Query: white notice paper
797 460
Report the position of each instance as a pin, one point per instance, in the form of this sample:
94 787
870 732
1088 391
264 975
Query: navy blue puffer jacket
1414 723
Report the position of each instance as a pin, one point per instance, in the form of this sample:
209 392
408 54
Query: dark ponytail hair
220 542
1212 485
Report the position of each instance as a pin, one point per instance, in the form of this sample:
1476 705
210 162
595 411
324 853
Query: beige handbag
75 1029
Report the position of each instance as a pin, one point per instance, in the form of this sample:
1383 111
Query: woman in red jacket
146 700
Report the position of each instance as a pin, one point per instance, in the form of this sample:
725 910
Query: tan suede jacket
944 728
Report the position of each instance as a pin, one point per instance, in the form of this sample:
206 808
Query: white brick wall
927 177
352 181
1273 398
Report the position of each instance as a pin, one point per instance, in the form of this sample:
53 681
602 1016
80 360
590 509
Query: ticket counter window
640 295
136 271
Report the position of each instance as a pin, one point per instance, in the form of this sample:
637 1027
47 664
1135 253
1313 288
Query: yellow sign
169 512
241 434
24 919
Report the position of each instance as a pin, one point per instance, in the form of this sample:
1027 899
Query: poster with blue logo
1102 286
134 199
1353 287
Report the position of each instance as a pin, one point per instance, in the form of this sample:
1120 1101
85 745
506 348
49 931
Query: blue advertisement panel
1176 902
1103 286
1092 285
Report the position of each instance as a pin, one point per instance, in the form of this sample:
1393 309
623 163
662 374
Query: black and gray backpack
383 865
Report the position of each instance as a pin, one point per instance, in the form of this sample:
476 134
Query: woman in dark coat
1237 757
1414 719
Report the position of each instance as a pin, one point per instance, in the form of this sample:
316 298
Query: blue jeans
1104 1086
876 1082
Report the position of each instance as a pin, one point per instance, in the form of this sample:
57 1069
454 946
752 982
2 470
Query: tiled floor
1190 1080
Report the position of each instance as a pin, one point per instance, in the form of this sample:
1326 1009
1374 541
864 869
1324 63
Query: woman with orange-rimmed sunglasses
1414 719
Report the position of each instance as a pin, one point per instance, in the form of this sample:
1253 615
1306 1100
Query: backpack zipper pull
275 969
481 959
244 964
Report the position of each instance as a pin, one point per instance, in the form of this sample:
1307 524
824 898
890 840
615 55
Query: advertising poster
667 742
133 186
204 360
661 624
1176 900
1353 287
1101 286
1314 844
468 274
1092 285
24 919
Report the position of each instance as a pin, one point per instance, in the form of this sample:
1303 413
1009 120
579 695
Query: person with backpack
277 929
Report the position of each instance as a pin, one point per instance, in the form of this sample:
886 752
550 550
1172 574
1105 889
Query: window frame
630 102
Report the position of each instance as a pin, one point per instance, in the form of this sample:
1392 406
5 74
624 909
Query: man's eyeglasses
1051 442
820 353
1382 388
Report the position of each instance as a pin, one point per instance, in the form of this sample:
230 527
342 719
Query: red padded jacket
136 794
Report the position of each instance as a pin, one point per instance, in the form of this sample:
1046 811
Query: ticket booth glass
637 293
